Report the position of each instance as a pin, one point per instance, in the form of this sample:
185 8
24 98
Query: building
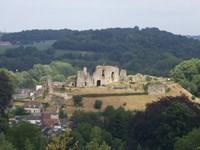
22 94
33 107
5 43
103 75
156 89
34 119
50 120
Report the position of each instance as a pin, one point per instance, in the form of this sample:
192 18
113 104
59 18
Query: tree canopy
149 50
187 73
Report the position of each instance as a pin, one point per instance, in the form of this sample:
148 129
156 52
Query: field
127 99
3 48
43 45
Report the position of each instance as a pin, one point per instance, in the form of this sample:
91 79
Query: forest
148 50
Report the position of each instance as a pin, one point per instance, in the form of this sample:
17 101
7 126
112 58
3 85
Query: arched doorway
98 82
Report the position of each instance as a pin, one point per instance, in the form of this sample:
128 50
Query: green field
3 48
43 45
39 45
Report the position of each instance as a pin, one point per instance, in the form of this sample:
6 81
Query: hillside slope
148 51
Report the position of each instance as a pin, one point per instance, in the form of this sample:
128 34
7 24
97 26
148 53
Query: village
51 105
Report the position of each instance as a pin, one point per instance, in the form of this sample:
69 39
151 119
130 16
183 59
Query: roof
33 104
33 117
49 122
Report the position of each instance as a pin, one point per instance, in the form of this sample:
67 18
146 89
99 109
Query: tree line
148 51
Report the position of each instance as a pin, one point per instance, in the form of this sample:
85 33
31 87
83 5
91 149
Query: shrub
168 90
193 97
77 100
148 78
98 104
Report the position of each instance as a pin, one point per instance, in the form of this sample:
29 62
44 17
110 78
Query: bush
148 78
77 100
193 97
98 104
168 90
20 111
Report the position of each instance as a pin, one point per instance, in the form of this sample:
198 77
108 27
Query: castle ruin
102 76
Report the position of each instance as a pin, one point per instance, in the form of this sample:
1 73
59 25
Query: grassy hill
148 51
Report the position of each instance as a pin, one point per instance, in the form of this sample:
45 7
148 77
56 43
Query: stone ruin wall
103 75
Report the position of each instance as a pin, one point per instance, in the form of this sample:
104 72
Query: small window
112 75
103 73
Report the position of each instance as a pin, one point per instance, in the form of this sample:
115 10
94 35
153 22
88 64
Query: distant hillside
30 36
148 51
197 37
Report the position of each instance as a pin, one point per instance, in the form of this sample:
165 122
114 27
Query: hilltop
148 51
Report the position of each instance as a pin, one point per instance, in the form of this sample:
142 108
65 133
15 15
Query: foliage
23 58
62 113
18 111
39 74
98 104
187 74
127 47
77 100
4 144
62 141
189 141
163 121
93 145
24 135
7 81
90 137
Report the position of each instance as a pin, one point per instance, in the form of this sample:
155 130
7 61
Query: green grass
42 45
3 48
59 53
39 45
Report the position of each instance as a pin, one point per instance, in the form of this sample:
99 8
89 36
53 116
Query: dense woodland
187 73
148 50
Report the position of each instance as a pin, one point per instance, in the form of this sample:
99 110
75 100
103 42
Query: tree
19 111
98 104
4 144
187 73
62 141
189 141
7 85
163 121
62 113
6 89
24 135
78 100
28 145
93 145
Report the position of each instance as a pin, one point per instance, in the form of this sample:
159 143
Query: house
50 120
5 43
34 119
33 107
22 94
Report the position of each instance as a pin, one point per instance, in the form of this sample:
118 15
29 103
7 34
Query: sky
177 16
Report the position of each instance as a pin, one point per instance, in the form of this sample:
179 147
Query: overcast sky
177 16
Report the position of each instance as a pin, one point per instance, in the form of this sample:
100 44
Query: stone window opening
103 73
85 83
112 75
